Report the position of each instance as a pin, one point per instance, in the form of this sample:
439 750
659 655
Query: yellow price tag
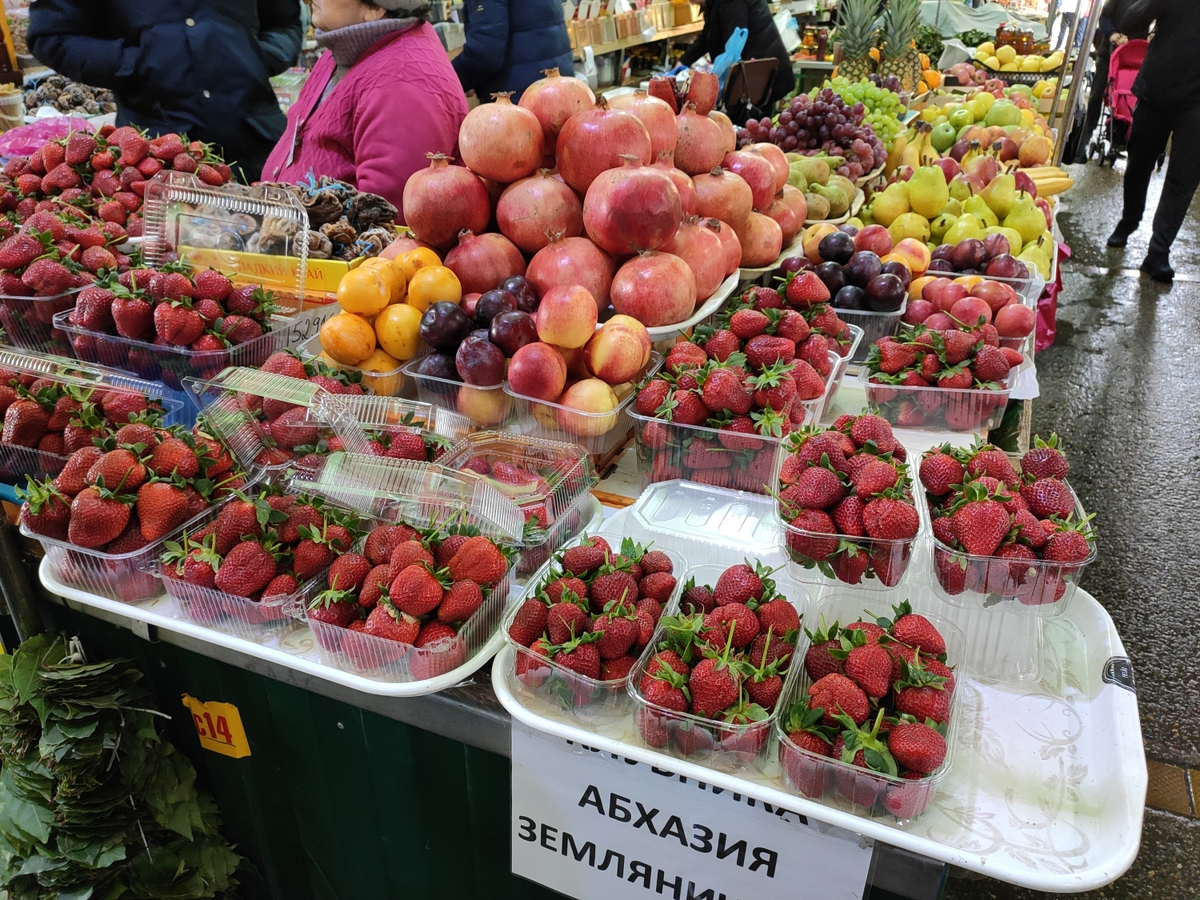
219 726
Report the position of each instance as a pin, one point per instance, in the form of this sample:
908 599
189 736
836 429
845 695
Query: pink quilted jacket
399 101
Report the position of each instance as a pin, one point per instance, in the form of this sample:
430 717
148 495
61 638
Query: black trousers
1152 126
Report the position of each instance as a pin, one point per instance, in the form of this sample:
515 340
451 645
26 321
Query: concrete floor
1120 388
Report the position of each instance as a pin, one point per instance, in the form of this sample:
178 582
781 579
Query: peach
591 396
914 254
875 238
573 357
538 370
968 281
484 406
566 316
971 311
917 286
643 334
996 294
614 354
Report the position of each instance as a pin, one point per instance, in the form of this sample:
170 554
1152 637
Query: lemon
399 331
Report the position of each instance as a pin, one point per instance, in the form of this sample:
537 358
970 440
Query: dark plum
438 366
832 275
850 297
521 288
795 264
968 254
899 269
849 229
943 251
511 331
940 265
885 293
444 325
479 361
837 246
491 304
995 245
1006 266
862 267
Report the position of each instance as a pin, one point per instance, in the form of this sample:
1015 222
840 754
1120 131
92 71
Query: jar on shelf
1025 42
1006 35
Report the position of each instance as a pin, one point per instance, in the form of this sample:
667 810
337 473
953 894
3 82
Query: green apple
943 137
962 117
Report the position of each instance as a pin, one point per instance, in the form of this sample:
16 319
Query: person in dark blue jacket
194 66
510 43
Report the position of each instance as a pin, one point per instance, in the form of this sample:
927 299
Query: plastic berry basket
833 782
28 322
597 432
718 745
388 382
541 682
873 326
845 356
486 407
996 585
939 409
555 499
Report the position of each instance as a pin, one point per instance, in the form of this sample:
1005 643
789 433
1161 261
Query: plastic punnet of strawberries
957 378
708 685
125 489
1003 531
870 718
397 605
580 629
844 496
262 548
740 386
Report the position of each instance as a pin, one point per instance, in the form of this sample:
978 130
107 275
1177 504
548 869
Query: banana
893 160
927 154
1050 187
912 153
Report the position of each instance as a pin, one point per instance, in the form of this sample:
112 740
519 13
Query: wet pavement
1120 388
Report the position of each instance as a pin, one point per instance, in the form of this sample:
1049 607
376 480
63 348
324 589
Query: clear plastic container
487 407
551 500
839 784
541 680
387 383
992 585
597 432
665 450
28 322
845 355
256 235
888 561
873 326
718 745
938 409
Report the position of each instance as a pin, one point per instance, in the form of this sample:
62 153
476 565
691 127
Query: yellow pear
928 191
965 226
891 203
909 225
1025 218
977 207
1014 239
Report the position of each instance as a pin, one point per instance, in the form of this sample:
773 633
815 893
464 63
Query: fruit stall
651 458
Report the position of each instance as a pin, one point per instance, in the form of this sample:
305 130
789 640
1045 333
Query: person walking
1108 38
510 43
721 17
1168 92
381 96
194 66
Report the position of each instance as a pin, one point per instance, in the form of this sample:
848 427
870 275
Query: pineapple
857 35
900 22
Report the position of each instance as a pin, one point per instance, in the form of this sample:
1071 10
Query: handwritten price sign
219 726
306 325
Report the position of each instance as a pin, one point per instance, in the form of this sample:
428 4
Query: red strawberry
134 148
618 629
167 147
894 357
657 586
891 520
118 469
72 479
652 396
583 559
96 258
580 656
60 178
990 364
478 560
740 583
348 572
240 329
97 517
940 471
209 175
277 363
916 746
875 477
177 325
748 323
79 149
819 488
818 660
374 586
280 586
529 622
133 318
917 631
1067 545
1044 459
612 587
764 350
416 591
388 622
184 163
1049 497
665 688
870 665
47 510
803 537
446 549
724 390
409 553
25 422
836 693
732 624
460 602
48 278
805 289
714 685
722 344
161 507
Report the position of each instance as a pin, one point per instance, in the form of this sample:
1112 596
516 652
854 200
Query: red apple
875 238
566 316
949 167
538 370
1015 320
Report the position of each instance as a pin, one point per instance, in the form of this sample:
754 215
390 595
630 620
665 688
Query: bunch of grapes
884 107
822 123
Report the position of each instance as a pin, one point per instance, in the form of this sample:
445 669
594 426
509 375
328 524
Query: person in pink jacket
382 96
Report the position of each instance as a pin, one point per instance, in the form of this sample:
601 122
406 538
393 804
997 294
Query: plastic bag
24 140
731 54
954 51
789 31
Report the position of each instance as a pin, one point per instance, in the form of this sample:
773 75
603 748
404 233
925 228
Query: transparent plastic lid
419 493
732 519
255 235
72 373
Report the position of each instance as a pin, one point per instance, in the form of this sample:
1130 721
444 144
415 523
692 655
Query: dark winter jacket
762 42
1169 75
195 66
510 43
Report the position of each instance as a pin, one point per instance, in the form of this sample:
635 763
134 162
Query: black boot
1121 233
1159 269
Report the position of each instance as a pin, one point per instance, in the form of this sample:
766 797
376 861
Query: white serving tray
1049 779
295 648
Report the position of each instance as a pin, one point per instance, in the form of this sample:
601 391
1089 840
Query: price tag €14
219 726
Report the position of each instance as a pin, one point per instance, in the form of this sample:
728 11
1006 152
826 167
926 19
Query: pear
927 191
1000 194
796 178
818 207
980 210
952 208
965 226
864 216
909 225
960 189
846 186
891 203
839 201
1025 218
1014 238
1035 258
939 226
814 169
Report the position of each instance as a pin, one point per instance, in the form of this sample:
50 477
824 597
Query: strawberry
940 471
348 572
460 602
805 289
742 583
478 560
778 616
281 363
686 408
990 364
167 147
62 177
666 688
981 523
894 357
72 479
117 469
529 622
333 608
161 507
917 631
696 598
240 329
885 518
722 344
96 258
392 624
765 350
870 666
311 556
835 693
46 510
916 746
238 520
579 655
922 694
956 346
374 586
612 587
133 318
657 586
803 728
733 624
48 278
409 553
174 456
803 536
97 517
748 323
819 488
113 211
93 309
177 325
25 423
1068 545
446 549
416 591
209 175
875 477
654 561
815 351
196 562
818 659
280 586
714 685
1048 497
582 559
1044 459
134 148
618 630
724 390
184 162
652 396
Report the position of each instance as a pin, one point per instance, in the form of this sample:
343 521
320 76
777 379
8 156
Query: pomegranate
727 129
683 183
756 172
443 200
730 245
776 158
723 195
631 209
568 261
532 209
594 140
655 288
794 197
701 143
482 261
656 115
501 141
554 99
761 238
704 254
785 216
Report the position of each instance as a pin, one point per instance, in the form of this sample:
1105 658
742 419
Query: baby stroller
1119 101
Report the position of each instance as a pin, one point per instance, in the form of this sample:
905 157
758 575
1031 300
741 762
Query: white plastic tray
295 647
1049 779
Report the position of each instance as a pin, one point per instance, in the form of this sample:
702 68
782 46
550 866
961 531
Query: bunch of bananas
912 147
1050 180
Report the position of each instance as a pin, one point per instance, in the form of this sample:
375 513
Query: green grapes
883 107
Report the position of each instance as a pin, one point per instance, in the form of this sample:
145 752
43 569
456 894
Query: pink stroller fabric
1123 68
